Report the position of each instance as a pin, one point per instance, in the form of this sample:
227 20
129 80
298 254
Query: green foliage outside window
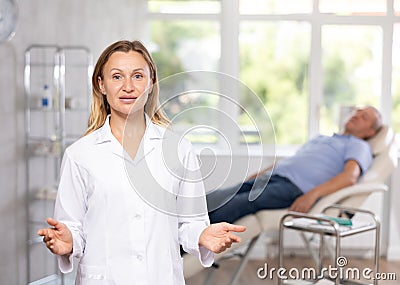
275 66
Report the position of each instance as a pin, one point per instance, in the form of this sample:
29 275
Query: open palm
58 238
218 237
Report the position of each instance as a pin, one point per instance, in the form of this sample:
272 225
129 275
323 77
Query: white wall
12 201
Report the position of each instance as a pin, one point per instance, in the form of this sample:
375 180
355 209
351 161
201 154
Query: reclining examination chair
385 160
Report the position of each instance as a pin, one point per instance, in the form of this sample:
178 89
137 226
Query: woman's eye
138 76
116 76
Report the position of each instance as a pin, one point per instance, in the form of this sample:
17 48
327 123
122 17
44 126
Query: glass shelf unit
57 83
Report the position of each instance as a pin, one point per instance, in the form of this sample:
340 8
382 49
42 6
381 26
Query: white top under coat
118 237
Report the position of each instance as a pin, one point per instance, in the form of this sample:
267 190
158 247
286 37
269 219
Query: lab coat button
139 257
137 217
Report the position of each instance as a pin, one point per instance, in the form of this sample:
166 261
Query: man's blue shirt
322 158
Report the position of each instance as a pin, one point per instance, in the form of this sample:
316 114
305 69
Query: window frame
230 18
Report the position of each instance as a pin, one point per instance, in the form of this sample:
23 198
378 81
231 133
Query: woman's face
126 83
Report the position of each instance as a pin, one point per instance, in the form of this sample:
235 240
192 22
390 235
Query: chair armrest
347 192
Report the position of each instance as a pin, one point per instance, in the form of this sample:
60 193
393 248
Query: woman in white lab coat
129 192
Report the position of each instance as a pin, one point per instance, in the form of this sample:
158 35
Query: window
396 80
275 67
185 7
353 7
397 7
185 45
300 66
352 60
180 47
253 7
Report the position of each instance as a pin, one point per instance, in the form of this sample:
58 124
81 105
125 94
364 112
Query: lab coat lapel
106 139
151 140
148 144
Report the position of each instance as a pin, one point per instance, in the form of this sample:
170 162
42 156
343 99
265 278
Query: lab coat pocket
92 275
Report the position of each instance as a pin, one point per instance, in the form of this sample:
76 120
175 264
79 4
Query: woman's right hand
58 238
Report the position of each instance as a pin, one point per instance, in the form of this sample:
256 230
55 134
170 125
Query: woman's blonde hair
100 107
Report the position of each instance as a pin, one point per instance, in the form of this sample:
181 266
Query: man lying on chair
322 166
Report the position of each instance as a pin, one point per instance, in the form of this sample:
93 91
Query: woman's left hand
218 237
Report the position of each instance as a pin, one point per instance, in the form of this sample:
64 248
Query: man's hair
377 124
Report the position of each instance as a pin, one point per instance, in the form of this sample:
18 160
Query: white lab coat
128 217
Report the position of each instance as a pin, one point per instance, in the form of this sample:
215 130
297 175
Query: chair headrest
381 140
384 151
